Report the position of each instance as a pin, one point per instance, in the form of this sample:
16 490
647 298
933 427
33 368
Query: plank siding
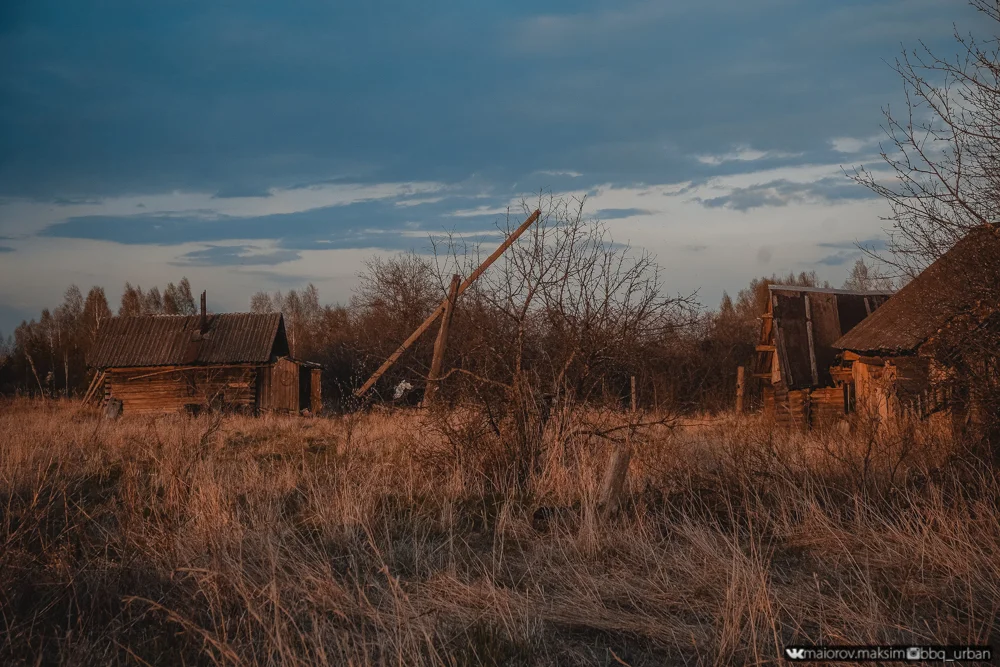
316 391
279 386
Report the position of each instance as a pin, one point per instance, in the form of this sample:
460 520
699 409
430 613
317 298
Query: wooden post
442 341
614 479
94 385
812 344
739 390
440 309
203 317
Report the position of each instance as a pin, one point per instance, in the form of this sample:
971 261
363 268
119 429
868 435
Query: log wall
159 389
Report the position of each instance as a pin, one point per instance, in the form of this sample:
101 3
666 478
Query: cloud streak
744 154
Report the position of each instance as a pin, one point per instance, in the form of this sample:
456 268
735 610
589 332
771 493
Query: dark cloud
783 192
234 191
247 97
241 255
616 213
696 247
839 258
4 248
874 245
370 224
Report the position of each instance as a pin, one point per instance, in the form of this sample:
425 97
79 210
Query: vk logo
795 653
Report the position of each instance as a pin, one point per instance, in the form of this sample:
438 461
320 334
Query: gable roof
965 278
828 312
172 340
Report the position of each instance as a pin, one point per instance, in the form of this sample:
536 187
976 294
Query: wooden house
795 353
915 355
178 363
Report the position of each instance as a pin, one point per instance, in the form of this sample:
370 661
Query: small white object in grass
401 389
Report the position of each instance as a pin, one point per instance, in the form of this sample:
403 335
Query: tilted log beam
394 357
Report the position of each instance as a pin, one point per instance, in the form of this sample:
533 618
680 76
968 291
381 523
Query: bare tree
943 150
132 301
865 278
560 320
943 155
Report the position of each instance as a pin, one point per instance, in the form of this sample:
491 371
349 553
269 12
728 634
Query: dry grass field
367 541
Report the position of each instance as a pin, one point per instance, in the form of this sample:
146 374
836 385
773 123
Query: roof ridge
827 290
195 315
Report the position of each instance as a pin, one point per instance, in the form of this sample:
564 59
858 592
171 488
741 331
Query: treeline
567 316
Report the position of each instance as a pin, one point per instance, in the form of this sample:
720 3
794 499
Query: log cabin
933 348
795 357
179 363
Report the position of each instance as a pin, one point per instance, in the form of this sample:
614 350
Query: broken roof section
173 340
963 280
802 324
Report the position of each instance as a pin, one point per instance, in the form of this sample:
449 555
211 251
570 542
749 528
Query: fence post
614 479
739 390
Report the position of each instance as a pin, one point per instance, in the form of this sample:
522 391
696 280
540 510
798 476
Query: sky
259 145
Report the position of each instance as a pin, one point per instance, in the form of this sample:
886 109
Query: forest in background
685 367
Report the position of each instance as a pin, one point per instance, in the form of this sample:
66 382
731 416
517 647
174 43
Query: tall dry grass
365 541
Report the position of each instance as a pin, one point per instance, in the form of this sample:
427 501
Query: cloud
4 248
617 213
69 201
27 216
695 247
240 255
419 202
549 172
480 211
783 192
854 145
838 259
744 154
376 223
259 100
192 113
873 244
235 191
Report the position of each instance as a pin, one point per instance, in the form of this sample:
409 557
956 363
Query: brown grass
362 541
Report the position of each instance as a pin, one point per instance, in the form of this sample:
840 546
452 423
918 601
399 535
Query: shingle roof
965 278
169 340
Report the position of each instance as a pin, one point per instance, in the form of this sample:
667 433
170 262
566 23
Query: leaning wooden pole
433 378
394 357
92 386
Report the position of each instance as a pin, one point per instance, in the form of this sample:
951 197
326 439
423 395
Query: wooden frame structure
445 308
795 356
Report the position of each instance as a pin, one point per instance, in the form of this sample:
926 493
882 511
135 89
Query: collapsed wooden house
178 363
795 353
908 357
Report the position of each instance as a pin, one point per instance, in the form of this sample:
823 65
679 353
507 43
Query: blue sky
266 145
